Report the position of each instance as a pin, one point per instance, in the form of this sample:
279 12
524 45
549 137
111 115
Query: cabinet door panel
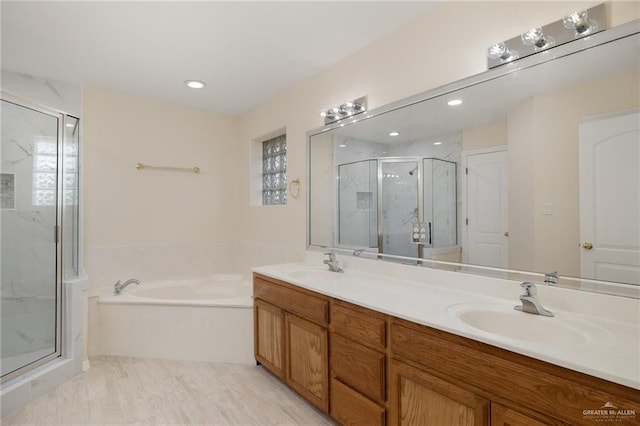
307 360
269 337
418 398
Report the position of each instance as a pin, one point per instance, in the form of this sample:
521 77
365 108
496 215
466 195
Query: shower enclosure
39 230
382 201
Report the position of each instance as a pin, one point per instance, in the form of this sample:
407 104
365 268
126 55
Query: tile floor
122 390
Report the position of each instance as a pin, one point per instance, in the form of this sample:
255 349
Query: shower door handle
429 233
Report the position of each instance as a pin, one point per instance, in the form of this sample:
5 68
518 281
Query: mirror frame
577 283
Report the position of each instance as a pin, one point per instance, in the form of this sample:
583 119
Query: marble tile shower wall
55 94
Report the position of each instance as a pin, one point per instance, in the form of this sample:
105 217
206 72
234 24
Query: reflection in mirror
537 169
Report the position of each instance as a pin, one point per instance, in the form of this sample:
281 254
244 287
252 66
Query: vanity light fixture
455 102
574 26
394 134
580 23
195 84
345 110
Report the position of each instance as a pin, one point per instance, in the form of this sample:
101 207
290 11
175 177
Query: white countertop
594 334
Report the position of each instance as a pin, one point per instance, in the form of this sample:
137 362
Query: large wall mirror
537 169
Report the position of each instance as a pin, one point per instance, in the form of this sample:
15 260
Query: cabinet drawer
366 327
360 367
300 303
350 408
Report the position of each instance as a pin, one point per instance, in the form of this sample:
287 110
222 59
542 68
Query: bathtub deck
123 390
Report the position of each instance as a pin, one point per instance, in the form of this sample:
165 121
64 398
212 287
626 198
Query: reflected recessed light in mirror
394 134
70 124
454 102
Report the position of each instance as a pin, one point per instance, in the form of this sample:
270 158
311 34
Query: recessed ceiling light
454 102
70 125
195 84
394 134
437 143
343 145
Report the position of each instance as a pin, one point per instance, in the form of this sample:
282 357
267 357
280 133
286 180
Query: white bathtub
204 319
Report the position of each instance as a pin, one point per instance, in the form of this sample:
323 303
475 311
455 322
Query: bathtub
204 319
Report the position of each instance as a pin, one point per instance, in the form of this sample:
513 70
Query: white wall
158 214
446 44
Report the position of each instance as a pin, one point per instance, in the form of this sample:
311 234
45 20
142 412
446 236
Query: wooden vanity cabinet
358 363
367 368
291 337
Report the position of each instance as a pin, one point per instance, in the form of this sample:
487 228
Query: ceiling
246 52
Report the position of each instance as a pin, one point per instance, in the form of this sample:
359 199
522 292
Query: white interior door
610 199
486 222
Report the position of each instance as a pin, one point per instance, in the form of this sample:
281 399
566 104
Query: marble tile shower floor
122 390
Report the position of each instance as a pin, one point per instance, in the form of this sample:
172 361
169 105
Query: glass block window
274 171
45 172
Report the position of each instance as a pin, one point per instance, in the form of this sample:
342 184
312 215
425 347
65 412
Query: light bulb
580 23
535 37
500 51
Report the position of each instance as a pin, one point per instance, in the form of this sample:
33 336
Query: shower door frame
61 117
420 172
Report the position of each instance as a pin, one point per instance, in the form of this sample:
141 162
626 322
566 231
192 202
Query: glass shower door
30 281
399 206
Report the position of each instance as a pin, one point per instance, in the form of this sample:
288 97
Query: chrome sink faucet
530 302
551 278
117 288
332 262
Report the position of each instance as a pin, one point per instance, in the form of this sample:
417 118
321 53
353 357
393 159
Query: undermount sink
504 321
316 275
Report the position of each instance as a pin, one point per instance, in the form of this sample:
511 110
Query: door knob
587 246
506 234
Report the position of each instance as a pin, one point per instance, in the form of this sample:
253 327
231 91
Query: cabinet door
418 398
269 337
307 360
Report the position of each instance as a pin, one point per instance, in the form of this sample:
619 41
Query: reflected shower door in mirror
563 194
399 207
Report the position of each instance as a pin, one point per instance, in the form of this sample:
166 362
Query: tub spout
117 288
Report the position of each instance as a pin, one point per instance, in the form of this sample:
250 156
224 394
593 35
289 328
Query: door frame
60 116
465 191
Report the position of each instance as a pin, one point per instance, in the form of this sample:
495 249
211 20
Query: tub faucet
117 288
332 262
530 302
